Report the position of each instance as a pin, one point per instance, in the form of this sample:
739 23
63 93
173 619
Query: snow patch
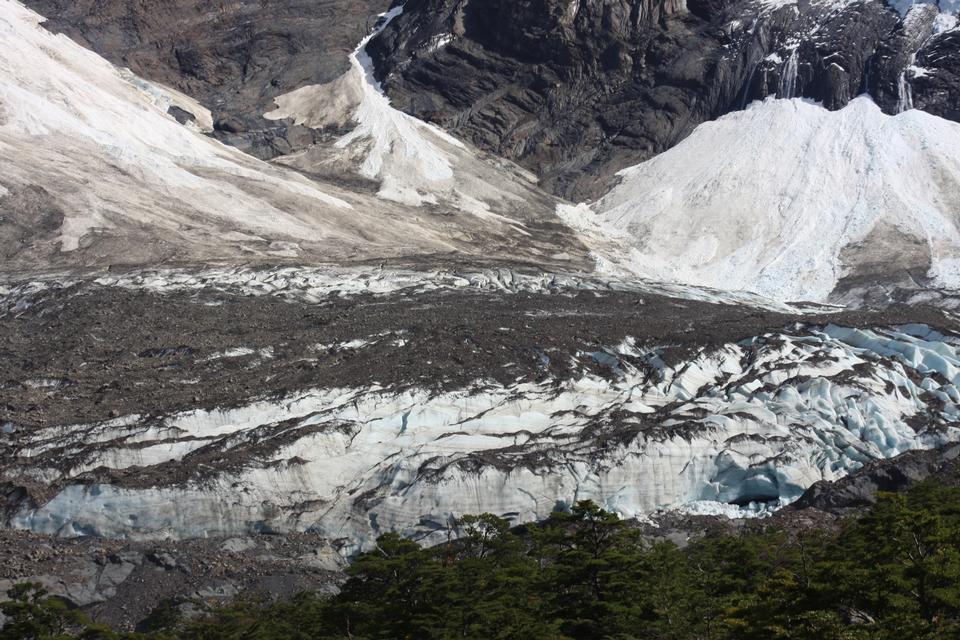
946 7
945 22
241 352
439 41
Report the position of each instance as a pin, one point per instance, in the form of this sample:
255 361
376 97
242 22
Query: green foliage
892 573
31 615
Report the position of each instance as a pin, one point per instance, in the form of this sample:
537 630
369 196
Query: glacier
737 428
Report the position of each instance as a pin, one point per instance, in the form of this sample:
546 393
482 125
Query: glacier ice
315 283
730 429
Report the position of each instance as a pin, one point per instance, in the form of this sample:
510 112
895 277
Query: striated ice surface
736 429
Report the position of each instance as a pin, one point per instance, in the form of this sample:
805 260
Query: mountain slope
351 399
409 161
92 154
233 57
645 75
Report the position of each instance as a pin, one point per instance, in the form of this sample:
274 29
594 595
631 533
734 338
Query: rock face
579 89
234 58
934 77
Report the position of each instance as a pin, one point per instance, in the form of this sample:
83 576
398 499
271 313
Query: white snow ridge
768 200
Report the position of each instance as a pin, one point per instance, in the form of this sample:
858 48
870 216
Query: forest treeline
892 572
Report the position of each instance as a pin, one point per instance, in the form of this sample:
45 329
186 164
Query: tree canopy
891 573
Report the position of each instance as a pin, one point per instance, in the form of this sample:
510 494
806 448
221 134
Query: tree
32 615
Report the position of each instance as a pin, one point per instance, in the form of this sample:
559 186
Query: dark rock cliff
860 489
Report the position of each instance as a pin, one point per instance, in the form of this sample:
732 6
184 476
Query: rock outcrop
860 489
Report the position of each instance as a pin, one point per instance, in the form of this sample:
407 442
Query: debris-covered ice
732 429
